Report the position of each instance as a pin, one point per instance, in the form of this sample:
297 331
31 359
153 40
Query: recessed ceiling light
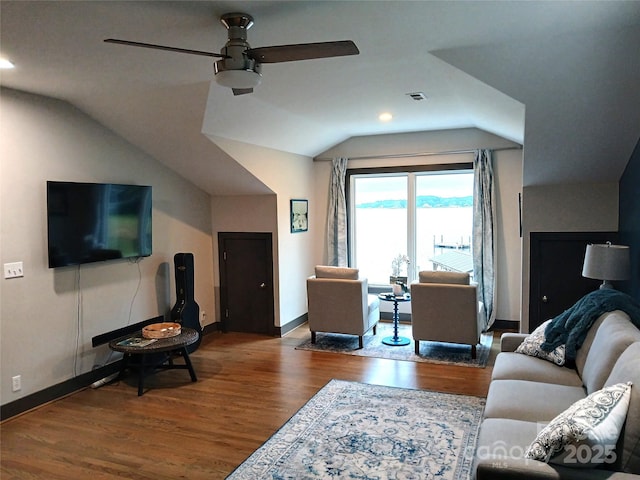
385 117
5 64
417 96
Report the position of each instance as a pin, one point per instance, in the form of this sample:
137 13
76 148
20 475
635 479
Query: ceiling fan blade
162 47
302 51
242 91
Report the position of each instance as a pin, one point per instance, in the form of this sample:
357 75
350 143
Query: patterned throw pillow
585 434
531 346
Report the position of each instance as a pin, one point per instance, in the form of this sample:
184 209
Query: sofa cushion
594 422
428 276
501 438
532 346
500 455
525 469
583 351
530 401
627 369
614 335
344 273
514 366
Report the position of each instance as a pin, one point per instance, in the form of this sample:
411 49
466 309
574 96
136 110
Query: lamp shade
238 78
607 262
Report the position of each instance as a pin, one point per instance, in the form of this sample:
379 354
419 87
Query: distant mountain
423 201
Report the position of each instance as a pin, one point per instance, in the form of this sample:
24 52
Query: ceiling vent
417 96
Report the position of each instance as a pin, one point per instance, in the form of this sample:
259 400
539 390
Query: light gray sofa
527 392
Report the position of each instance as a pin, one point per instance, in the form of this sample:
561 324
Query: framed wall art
299 215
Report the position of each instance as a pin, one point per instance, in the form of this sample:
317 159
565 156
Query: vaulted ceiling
560 76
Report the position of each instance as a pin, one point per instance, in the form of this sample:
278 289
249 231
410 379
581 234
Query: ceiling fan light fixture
238 78
239 67
238 70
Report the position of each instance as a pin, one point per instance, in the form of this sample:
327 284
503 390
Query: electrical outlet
13 270
16 383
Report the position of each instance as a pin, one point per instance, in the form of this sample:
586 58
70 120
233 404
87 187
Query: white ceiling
163 101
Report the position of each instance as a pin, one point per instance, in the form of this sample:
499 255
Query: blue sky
393 187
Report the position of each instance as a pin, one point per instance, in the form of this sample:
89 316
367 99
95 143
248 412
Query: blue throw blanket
571 326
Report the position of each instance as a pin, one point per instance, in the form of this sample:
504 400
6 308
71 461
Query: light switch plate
13 270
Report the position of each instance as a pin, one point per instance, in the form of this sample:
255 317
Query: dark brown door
556 280
246 282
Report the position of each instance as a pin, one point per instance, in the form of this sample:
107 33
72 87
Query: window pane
444 219
379 224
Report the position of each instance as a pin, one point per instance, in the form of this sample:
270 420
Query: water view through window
426 216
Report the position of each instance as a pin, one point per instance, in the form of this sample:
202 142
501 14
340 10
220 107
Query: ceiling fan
240 65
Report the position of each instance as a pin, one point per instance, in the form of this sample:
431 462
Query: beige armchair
444 308
339 302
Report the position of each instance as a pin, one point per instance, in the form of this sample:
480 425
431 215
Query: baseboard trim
70 386
509 325
57 391
211 328
292 325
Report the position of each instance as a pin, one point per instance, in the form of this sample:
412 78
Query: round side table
395 340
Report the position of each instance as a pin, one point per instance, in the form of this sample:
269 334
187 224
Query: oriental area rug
355 430
432 352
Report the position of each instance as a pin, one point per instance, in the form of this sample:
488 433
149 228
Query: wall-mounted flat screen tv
94 222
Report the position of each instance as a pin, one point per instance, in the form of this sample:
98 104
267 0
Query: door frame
267 237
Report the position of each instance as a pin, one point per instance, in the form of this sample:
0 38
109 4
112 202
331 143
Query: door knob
263 285
545 299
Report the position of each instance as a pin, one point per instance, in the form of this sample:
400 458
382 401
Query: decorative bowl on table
161 330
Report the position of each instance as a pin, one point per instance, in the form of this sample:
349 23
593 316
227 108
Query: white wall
48 317
245 213
507 167
564 208
508 174
289 176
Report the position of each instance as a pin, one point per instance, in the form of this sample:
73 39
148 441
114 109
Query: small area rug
433 352
360 431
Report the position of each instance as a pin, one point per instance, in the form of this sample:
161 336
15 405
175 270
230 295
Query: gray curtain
337 215
484 213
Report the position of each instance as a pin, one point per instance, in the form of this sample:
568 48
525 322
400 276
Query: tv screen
93 222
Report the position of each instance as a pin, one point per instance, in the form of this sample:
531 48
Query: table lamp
607 262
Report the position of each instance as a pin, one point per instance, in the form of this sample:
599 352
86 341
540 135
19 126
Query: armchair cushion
345 273
428 276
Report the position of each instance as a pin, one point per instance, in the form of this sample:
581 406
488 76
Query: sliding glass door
426 215
379 223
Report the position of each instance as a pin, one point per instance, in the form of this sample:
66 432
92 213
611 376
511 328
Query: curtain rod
420 154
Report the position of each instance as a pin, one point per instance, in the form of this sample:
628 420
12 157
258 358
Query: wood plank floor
248 386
